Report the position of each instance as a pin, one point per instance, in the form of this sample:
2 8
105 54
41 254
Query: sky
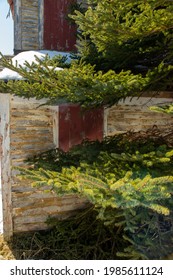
6 29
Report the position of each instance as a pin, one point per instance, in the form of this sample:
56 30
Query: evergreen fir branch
167 108
80 83
125 193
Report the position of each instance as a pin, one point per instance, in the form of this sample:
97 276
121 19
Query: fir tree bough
124 48
128 194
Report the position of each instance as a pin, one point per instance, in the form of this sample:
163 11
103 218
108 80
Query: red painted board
59 33
75 135
75 125
64 127
93 124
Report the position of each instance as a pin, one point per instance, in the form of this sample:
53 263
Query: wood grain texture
134 115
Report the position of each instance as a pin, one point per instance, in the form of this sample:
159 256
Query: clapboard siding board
134 115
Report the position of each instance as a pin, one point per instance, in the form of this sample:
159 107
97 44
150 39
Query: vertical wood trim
40 23
56 126
17 26
105 122
5 100
64 127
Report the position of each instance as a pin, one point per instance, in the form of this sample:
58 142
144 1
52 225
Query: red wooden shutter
59 33
76 125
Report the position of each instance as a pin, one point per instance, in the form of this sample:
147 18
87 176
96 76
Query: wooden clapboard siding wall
28 25
134 115
27 130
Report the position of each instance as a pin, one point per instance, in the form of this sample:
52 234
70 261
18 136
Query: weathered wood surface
28 25
30 129
6 164
43 24
59 33
134 115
